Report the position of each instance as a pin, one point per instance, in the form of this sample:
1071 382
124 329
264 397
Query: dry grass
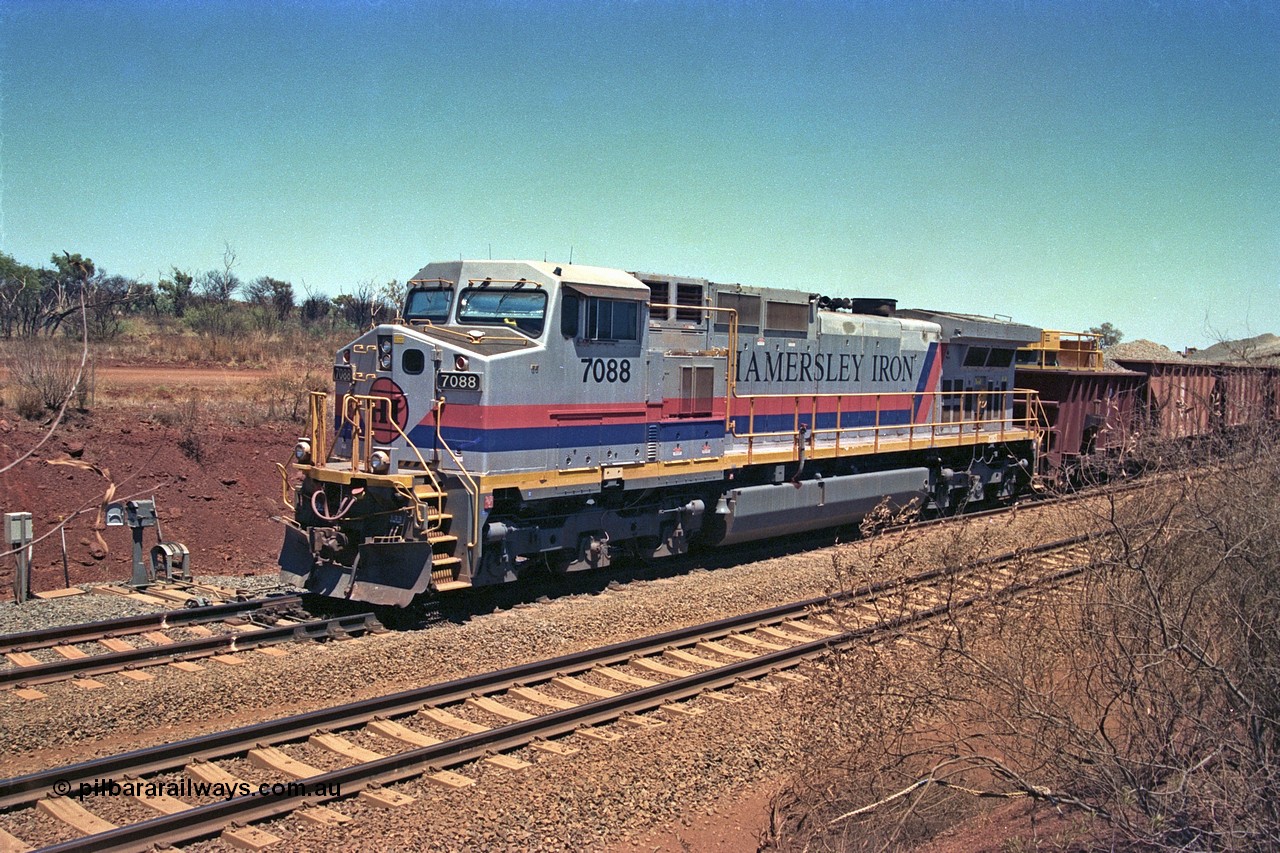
1144 706
42 376
292 361
167 341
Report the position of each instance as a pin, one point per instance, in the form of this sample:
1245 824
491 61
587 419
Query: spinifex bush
283 395
45 375
191 434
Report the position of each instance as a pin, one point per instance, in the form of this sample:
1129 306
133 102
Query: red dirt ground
741 822
220 507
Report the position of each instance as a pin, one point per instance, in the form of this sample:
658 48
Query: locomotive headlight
460 362
380 461
302 452
384 346
384 360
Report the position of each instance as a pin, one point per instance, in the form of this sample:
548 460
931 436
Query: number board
342 373
448 380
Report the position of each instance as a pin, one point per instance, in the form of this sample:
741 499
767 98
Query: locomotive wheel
556 563
644 549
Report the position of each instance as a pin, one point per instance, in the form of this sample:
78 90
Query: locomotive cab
448 402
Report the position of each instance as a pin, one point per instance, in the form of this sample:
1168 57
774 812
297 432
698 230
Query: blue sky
1064 163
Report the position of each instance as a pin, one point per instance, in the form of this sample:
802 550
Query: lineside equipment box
17 527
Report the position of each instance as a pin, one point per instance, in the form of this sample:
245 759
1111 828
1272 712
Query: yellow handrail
317 409
997 423
1058 350
362 442
284 487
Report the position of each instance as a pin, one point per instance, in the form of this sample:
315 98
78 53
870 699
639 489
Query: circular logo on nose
384 430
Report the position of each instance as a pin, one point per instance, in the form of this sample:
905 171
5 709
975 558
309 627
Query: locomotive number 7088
606 369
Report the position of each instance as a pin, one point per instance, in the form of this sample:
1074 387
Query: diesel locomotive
524 415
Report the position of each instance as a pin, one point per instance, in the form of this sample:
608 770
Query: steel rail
202 821
181 650
166 757
86 632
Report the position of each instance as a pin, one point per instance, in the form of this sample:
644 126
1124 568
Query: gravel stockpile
1260 349
1142 350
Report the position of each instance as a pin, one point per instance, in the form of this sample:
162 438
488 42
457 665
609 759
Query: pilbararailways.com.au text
192 788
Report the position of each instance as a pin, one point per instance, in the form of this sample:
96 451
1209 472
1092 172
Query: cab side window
612 320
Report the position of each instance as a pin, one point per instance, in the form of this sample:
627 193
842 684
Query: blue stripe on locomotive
603 435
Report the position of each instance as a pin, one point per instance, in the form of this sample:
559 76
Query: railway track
427 731
131 644
87 632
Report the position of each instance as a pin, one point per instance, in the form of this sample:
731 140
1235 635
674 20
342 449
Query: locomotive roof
972 326
460 272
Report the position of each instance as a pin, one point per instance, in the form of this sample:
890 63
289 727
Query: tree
272 293
45 378
146 298
107 299
214 318
1108 334
176 291
35 302
366 307
20 287
219 286
62 288
73 267
393 295
316 309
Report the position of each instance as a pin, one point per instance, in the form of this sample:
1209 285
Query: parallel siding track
249 624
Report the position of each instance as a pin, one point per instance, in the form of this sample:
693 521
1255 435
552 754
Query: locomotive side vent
651 443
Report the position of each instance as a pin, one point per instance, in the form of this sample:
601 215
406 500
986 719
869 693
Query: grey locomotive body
522 414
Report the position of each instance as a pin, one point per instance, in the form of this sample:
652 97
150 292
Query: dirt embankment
216 496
